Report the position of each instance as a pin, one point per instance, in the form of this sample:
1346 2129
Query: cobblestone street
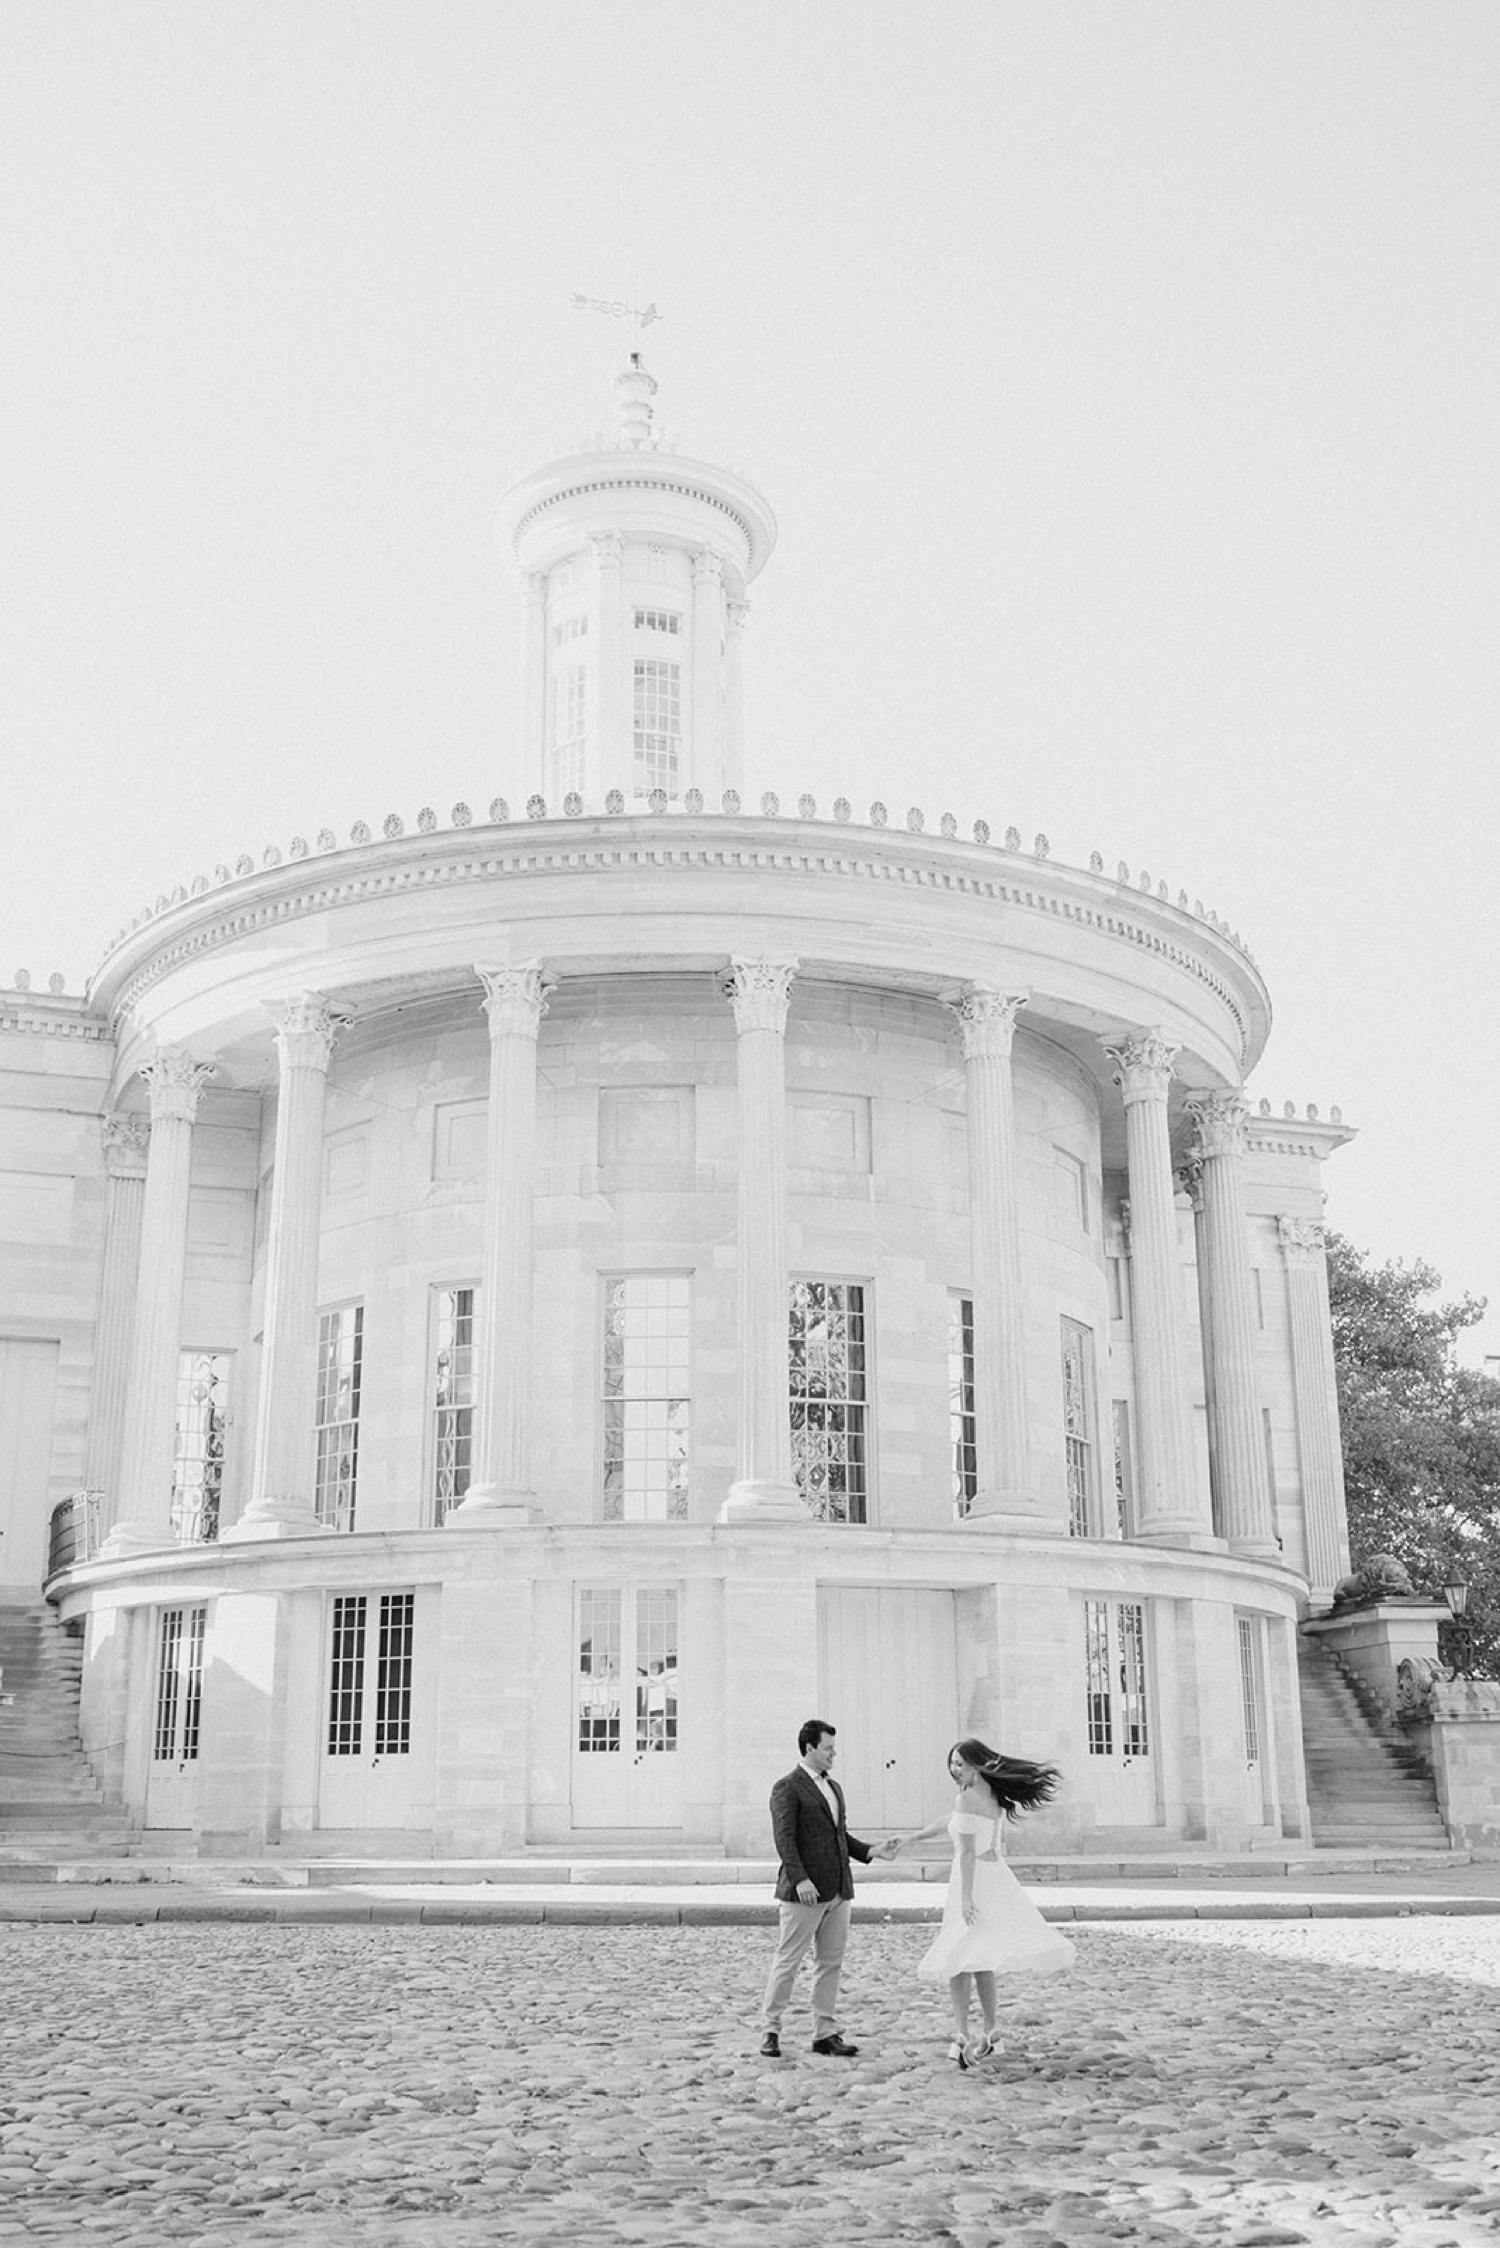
1327 2082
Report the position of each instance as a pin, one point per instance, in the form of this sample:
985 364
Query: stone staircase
49 1799
1364 1788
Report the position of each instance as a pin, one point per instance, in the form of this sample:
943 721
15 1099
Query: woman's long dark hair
1015 1784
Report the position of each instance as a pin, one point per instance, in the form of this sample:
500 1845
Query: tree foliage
1421 1433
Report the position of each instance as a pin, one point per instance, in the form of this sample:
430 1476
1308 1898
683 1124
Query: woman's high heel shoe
981 2048
958 2051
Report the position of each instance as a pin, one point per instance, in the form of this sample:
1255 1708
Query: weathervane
642 317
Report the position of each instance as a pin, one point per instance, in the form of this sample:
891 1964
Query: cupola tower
634 565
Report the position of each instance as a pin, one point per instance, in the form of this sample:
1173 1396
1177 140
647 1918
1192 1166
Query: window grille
198 1466
657 620
393 1674
455 1376
1249 1689
192 1683
961 1402
1116 1716
179 1685
1098 1701
1135 1729
656 1673
340 1367
1124 1472
571 628
828 1397
571 705
1078 1426
346 1683
658 724
647 1397
598 1672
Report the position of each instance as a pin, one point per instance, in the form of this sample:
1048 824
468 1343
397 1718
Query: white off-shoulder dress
1009 1936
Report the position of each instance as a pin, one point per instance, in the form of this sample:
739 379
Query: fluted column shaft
764 1488
1168 1506
1319 1452
515 1002
126 1139
1229 1327
987 1020
283 1485
705 757
611 751
143 1515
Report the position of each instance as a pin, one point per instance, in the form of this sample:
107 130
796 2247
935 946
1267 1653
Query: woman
990 1926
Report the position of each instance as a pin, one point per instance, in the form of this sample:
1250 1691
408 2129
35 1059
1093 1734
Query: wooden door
888 1680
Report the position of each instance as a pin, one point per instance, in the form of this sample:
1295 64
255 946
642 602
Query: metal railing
73 1533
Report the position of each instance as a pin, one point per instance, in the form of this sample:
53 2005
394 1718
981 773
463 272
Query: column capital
1220 1117
759 991
175 1081
987 1019
708 567
306 1028
126 1139
1143 1064
1301 1239
608 549
515 998
1189 1178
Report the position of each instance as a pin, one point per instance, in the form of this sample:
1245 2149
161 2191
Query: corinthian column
1169 1507
1229 1327
1319 1453
515 1002
987 1019
283 1487
706 760
764 1488
143 1514
126 1139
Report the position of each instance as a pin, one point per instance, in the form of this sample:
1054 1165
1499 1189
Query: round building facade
580 1289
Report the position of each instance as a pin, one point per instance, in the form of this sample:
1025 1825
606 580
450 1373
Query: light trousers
824 1928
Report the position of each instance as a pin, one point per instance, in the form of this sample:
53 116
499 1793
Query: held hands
889 1847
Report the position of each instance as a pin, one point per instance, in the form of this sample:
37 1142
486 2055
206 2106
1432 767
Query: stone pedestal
1374 1641
1455 1727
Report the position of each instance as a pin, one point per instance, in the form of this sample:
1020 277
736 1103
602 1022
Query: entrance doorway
366 1775
172 1775
888 1680
1117 1713
627 1722
1248 1632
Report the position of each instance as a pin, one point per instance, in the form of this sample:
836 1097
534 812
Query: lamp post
1459 1636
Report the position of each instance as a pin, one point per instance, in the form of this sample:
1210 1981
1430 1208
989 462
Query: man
814 1888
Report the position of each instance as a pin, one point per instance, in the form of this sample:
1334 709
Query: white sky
1123 377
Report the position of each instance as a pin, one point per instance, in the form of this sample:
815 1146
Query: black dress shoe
770 2045
835 2045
